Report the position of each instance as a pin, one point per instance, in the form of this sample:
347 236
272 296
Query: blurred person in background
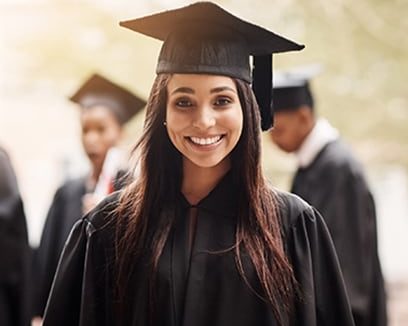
14 249
200 237
104 109
331 179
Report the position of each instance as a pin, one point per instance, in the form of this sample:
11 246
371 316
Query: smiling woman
200 237
204 120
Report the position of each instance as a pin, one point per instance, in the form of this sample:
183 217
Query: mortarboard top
291 88
98 90
203 38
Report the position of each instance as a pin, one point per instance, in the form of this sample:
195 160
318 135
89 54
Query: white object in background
112 164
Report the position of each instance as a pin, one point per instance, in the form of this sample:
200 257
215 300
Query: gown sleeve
79 292
353 228
322 298
335 184
47 255
65 210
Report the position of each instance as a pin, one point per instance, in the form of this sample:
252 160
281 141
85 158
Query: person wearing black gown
331 179
14 249
200 237
105 108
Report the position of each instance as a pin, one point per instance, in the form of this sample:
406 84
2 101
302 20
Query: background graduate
104 109
331 179
14 249
200 238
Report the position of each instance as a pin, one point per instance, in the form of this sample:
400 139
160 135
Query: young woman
200 238
104 108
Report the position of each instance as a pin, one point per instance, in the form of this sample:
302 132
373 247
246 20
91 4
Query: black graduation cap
98 90
291 88
203 38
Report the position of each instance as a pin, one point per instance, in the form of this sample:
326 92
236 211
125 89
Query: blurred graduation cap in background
291 88
203 38
99 91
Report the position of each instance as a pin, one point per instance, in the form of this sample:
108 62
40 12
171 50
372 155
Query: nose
204 118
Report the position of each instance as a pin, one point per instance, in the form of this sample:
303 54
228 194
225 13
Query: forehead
286 119
286 114
200 81
97 113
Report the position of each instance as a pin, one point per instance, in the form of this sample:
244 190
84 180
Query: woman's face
100 132
203 117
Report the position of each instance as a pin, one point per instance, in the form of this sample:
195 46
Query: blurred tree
361 45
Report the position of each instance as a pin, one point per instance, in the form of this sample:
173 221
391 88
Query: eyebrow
222 89
213 90
183 90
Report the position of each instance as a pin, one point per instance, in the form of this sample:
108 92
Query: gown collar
221 200
321 134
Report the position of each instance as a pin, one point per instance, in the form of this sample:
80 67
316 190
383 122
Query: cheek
283 137
172 126
279 132
284 129
239 119
111 137
89 138
176 122
233 120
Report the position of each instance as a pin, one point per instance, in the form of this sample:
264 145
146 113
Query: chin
206 162
96 161
287 149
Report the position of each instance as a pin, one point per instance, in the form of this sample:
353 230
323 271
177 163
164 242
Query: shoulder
93 235
3 155
104 214
70 188
337 155
299 220
96 228
293 208
72 184
5 163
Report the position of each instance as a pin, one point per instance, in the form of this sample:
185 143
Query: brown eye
222 101
183 103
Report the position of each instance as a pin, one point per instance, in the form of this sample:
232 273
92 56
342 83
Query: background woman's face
204 117
100 132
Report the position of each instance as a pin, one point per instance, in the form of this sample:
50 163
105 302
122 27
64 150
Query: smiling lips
205 141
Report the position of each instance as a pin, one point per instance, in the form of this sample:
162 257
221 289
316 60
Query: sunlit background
48 47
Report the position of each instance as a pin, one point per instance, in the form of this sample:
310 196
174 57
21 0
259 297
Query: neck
198 181
96 172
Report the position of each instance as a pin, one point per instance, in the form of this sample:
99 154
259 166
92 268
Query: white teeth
205 141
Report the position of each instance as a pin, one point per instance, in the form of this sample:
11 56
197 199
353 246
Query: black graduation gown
200 287
65 210
14 249
335 185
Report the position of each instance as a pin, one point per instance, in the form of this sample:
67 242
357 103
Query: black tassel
262 87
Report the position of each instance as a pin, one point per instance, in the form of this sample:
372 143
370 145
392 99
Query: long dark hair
143 202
